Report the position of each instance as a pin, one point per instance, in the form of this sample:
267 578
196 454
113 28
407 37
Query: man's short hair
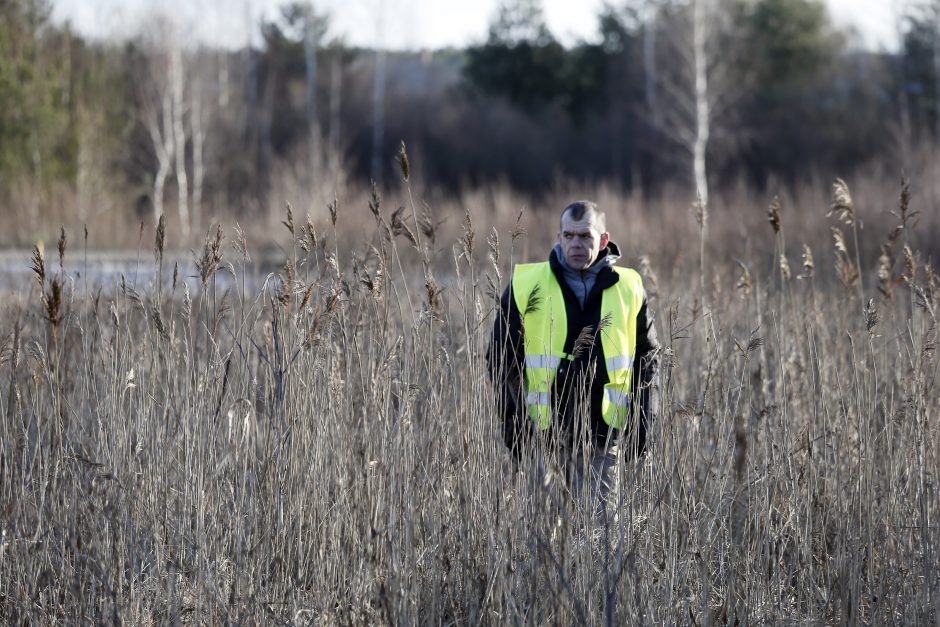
580 208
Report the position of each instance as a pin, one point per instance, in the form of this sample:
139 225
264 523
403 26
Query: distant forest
694 94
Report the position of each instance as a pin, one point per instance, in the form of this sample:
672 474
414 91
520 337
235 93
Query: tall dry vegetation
320 445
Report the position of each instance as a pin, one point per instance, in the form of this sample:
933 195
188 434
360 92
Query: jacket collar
607 257
603 265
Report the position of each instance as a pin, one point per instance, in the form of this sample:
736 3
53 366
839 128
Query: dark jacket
588 371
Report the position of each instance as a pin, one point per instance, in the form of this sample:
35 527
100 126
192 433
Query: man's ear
605 237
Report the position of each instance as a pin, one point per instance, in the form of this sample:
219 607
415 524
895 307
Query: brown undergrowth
320 445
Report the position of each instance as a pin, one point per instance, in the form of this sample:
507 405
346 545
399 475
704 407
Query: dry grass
321 446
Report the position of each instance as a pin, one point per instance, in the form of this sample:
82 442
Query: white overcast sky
399 23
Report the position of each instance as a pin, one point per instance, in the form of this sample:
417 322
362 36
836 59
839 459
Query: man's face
580 240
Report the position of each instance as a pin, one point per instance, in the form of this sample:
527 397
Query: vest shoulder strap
527 271
632 284
631 278
630 275
525 276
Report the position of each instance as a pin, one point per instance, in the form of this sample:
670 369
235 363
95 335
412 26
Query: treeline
695 93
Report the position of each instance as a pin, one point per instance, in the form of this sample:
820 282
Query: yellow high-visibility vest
541 305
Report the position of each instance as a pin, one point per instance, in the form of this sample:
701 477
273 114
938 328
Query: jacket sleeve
646 372
505 362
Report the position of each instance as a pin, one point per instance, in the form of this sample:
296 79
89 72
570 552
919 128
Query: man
574 355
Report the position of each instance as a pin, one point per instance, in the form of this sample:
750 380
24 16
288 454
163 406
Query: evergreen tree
37 134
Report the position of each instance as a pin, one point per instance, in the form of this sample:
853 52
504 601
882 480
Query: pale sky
400 24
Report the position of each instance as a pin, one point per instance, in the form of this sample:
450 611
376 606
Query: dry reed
321 449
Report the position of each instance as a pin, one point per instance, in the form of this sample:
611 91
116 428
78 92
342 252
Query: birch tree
702 109
697 57
173 115
684 79
156 107
198 124
336 103
177 113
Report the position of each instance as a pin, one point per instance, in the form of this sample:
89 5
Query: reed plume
160 239
208 263
403 163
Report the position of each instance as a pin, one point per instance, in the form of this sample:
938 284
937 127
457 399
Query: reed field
220 444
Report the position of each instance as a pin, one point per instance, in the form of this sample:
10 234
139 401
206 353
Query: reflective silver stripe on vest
617 397
537 398
542 361
620 362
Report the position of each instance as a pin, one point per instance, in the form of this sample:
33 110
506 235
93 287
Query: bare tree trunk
378 94
904 139
683 110
252 134
223 80
177 79
197 124
163 148
378 114
336 99
266 122
84 174
310 63
36 159
700 145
